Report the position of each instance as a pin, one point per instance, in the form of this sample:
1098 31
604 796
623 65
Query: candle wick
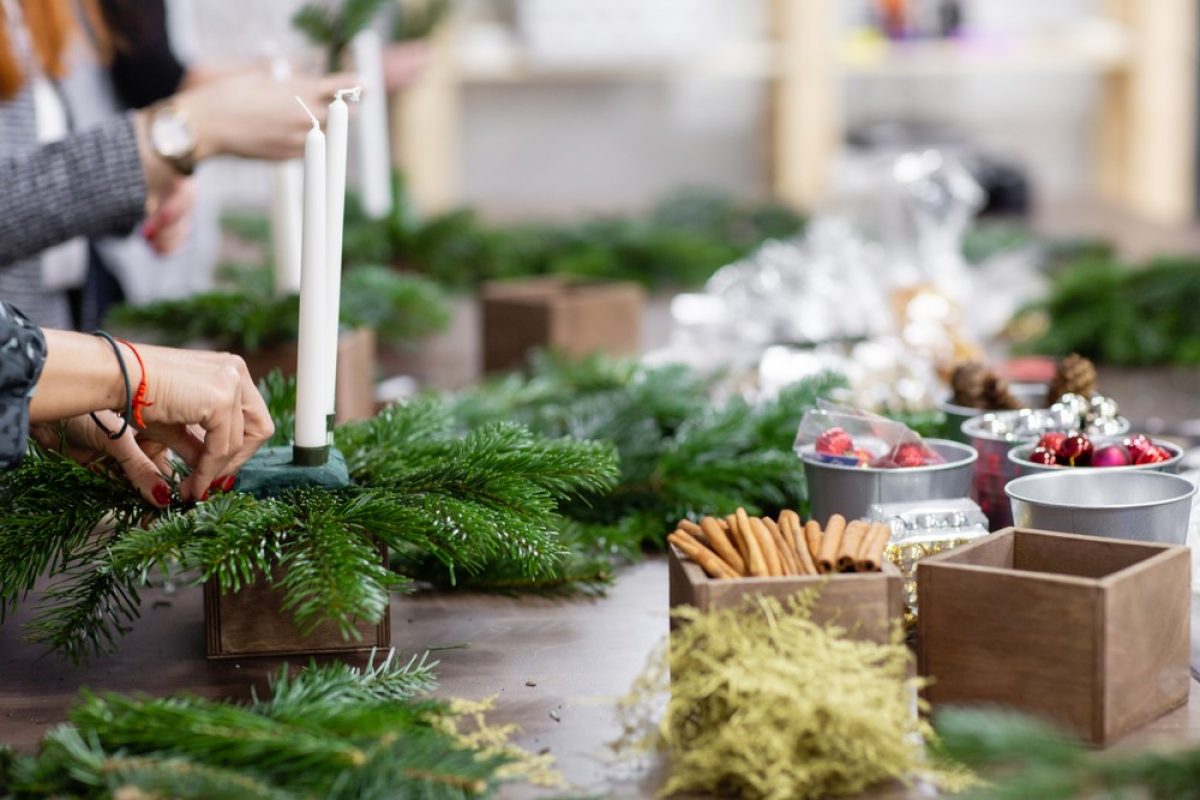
353 93
312 116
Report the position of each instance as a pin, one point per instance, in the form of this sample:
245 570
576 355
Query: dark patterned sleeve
22 355
88 184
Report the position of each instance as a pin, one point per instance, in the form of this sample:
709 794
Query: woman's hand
146 463
256 116
207 409
204 406
170 215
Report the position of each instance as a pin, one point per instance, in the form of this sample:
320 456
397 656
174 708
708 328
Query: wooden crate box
1090 633
251 622
575 317
869 605
355 374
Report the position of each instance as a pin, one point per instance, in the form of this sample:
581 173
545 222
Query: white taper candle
310 367
373 143
287 179
336 132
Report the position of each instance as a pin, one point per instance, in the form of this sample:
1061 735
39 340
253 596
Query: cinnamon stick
851 542
767 543
812 539
720 544
786 560
807 565
707 559
756 564
735 536
831 543
871 555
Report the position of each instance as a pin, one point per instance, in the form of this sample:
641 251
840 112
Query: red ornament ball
1043 455
1051 441
1137 444
834 442
1153 455
1075 451
1112 455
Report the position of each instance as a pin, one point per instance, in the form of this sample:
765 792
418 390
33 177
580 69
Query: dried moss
764 703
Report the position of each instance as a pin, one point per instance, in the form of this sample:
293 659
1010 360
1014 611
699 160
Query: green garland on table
1115 313
329 731
457 501
246 315
680 454
680 243
1033 759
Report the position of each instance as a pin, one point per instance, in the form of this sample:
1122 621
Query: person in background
62 184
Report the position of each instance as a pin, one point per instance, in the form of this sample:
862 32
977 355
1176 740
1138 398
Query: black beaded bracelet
128 390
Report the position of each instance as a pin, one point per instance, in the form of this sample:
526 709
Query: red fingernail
215 485
204 496
148 231
227 483
162 495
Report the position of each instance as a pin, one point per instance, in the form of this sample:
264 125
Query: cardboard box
355 375
575 317
869 605
1090 633
251 622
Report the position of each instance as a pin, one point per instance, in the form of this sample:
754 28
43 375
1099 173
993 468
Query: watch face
171 135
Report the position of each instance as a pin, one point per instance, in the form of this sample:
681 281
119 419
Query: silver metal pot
851 491
993 470
1117 504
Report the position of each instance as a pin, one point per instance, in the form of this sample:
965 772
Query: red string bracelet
139 397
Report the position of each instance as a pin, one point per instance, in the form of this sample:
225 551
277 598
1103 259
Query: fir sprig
327 731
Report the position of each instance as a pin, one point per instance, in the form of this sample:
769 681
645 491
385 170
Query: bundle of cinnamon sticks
740 545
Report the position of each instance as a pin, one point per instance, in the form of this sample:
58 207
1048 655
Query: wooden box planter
575 317
251 622
869 605
355 375
1091 633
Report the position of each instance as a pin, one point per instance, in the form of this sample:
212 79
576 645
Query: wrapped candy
925 528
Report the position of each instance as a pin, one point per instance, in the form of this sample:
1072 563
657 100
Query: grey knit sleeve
88 184
22 356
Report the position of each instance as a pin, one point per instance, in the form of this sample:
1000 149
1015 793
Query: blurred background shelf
811 64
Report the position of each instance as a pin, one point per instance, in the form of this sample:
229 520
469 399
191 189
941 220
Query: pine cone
996 394
967 382
1076 375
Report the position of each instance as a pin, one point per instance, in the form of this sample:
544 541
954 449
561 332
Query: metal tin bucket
1029 395
994 470
1116 504
1019 456
851 491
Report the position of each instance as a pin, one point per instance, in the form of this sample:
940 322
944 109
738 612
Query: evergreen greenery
433 497
678 244
333 23
1114 313
245 315
329 731
1033 759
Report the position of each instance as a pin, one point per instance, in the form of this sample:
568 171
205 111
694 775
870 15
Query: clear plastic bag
837 434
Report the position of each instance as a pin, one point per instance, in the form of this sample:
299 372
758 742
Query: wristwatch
173 137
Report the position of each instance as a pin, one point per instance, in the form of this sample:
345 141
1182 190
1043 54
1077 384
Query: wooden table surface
581 653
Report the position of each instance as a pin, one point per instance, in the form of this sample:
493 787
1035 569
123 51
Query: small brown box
575 317
869 605
1090 633
355 374
251 622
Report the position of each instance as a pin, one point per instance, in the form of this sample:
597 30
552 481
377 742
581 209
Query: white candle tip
312 116
353 94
